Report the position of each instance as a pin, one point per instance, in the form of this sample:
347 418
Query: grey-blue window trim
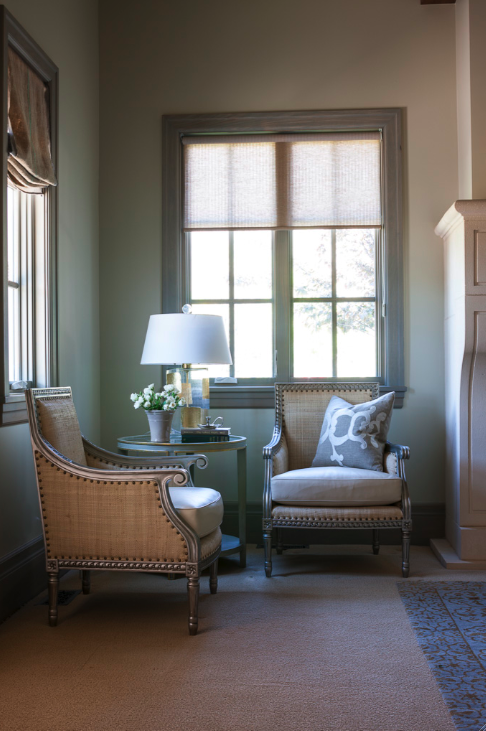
174 249
13 408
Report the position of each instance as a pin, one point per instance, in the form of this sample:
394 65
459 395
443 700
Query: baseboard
450 560
428 522
22 576
22 572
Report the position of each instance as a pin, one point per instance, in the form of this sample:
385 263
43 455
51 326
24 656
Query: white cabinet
463 230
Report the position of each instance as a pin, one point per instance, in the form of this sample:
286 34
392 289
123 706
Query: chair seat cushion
200 507
338 486
211 543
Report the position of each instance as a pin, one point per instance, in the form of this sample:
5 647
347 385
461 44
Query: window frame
174 241
13 407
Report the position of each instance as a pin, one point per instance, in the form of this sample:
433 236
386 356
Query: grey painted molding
428 522
23 571
174 127
12 406
22 576
263 397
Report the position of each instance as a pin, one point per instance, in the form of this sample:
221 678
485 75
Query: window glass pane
209 265
13 334
312 340
253 341
216 371
355 263
13 234
356 339
312 270
253 264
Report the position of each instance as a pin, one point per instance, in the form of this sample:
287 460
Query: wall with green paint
67 30
216 56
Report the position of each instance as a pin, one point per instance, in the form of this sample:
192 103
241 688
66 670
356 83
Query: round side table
141 446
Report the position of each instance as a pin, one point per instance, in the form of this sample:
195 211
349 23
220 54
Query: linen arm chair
299 412
102 511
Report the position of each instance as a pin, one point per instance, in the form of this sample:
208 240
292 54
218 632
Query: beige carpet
323 645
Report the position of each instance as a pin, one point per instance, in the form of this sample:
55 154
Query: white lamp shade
183 338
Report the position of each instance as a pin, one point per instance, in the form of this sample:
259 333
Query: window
27 303
29 231
232 276
304 261
329 319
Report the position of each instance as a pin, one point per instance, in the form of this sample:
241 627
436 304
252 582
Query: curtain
286 181
29 165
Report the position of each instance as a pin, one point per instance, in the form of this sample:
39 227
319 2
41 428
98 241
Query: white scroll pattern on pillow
369 428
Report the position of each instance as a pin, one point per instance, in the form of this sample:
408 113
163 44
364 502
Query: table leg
241 457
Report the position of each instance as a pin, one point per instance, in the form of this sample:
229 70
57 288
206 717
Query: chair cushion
59 425
346 486
210 543
355 435
200 507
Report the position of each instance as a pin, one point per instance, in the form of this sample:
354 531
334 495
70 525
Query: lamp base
194 386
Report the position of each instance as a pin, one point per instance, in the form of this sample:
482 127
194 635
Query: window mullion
334 306
186 284
30 258
23 278
232 300
283 303
380 312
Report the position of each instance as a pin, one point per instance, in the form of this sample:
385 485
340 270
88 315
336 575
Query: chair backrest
300 409
57 422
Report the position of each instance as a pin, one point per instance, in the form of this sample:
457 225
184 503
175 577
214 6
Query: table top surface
142 442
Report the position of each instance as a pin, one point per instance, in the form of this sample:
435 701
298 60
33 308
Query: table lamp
186 341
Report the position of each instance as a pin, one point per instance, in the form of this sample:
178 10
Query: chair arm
400 450
273 446
101 514
402 453
275 455
97 458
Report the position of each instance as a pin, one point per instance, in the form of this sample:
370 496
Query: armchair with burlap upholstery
335 497
102 511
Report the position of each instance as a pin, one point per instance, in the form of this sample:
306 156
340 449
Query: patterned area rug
449 619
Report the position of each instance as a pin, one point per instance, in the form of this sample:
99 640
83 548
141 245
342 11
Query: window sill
263 397
14 410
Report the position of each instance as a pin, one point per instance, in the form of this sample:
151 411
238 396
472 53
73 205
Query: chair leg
86 581
53 587
193 591
405 553
213 577
376 541
279 542
267 545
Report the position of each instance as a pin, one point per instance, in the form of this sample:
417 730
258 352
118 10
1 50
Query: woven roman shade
284 181
29 166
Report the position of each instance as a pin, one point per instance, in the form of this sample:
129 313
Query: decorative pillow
354 435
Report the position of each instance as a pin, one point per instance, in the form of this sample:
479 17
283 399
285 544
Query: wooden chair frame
269 452
160 471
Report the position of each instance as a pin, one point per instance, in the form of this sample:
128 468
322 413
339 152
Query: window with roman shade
293 237
29 164
29 192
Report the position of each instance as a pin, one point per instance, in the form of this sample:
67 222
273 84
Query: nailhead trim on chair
105 558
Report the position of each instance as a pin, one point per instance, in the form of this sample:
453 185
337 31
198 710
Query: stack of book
204 434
